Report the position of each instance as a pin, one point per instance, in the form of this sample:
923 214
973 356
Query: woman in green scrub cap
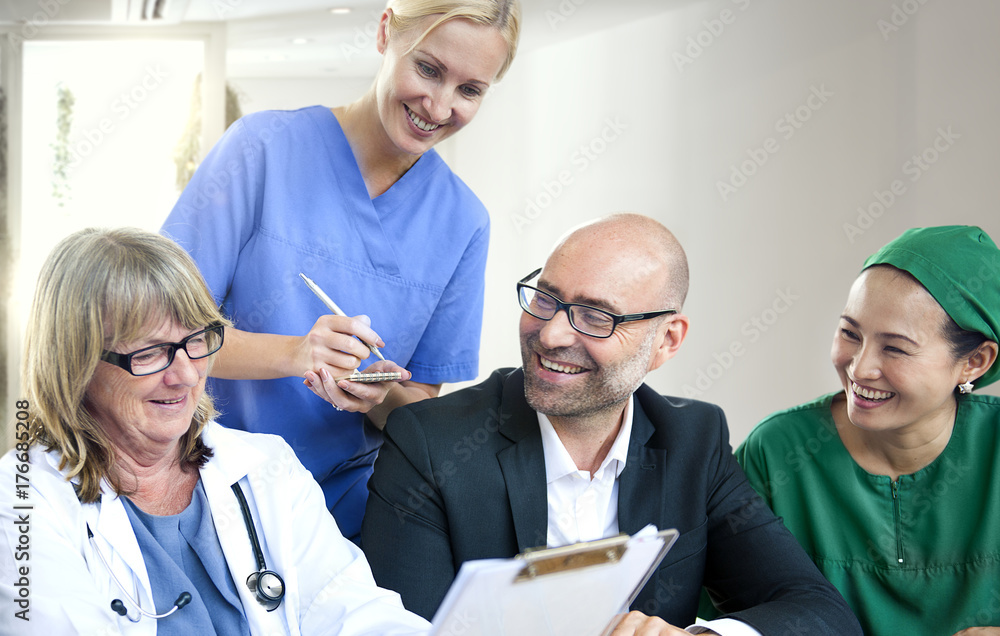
892 483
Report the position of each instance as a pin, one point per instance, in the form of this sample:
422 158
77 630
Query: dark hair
963 342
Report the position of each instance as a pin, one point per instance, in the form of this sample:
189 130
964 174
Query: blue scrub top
183 554
282 194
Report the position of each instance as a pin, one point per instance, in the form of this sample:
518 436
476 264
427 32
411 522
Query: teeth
420 123
869 394
561 368
175 401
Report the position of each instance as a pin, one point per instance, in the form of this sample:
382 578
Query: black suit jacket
462 477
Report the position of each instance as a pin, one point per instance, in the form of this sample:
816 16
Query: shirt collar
558 462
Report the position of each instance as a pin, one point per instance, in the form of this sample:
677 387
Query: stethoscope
266 585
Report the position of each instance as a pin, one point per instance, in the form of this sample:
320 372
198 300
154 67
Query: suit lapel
640 486
523 465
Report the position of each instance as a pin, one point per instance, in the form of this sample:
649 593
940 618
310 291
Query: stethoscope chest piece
268 587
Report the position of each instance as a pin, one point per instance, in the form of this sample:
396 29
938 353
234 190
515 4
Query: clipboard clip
541 562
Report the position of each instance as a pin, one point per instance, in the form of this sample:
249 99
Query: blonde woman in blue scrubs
356 198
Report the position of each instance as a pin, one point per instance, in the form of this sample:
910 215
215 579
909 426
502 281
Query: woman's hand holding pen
337 341
335 347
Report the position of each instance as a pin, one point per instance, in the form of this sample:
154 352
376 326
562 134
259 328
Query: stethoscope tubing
262 593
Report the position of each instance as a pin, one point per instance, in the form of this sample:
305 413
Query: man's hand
979 631
639 624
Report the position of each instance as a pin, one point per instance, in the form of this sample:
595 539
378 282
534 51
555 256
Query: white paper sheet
485 600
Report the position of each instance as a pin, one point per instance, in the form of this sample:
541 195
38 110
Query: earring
965 388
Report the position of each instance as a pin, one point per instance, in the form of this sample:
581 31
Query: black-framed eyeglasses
590 321
150 360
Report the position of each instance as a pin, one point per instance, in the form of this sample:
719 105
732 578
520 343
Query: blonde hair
99 288
503 15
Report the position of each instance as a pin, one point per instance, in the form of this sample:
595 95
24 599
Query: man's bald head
642 249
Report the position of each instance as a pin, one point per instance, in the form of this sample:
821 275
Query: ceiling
303 38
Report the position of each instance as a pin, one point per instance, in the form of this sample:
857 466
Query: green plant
188 150
60 164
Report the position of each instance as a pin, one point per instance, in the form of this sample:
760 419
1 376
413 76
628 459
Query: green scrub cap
960 266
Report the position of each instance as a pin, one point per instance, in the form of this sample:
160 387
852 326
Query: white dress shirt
582 508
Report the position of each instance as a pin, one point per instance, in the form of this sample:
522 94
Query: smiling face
427 94
568 374
148 414
896 367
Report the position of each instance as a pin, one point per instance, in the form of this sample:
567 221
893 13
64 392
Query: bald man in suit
573 446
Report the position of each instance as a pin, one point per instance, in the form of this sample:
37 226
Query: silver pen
332 306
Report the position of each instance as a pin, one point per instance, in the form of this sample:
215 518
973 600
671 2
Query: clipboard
575 590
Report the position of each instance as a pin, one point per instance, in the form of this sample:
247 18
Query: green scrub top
917 556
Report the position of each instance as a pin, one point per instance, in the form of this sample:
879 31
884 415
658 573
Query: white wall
774 250
289 94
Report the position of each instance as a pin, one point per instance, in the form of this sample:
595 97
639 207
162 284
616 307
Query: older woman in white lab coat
125 509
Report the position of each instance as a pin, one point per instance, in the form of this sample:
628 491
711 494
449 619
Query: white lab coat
329 586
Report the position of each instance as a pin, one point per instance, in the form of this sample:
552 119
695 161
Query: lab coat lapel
114 537
233 461
523 465
117 544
